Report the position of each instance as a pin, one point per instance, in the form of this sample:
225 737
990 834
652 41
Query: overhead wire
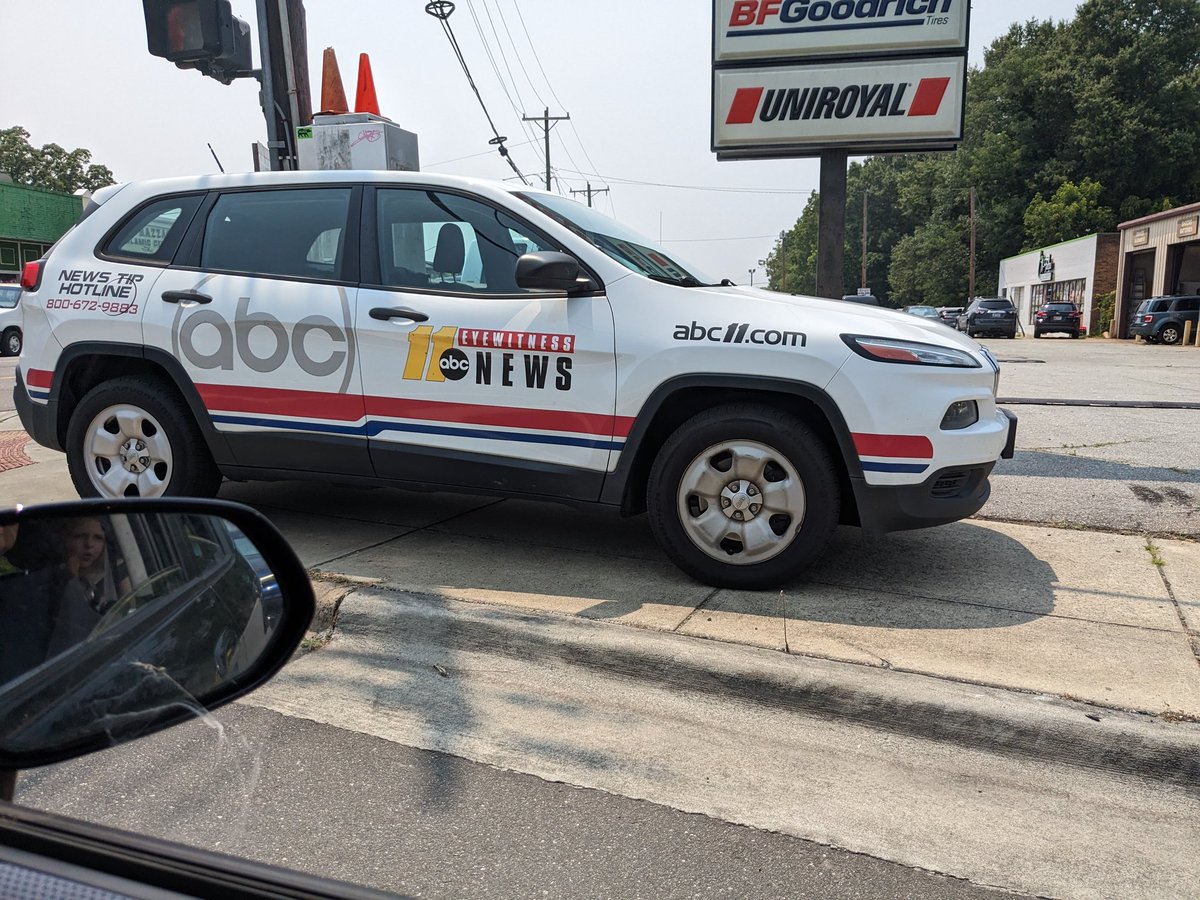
487 48
498 140
571 122
695 187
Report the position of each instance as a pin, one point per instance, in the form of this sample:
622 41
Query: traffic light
199 34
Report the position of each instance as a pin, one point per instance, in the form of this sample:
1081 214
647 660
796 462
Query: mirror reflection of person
94 573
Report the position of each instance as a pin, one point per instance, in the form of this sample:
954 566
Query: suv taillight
1077 314
1041 314
1146 320
31 275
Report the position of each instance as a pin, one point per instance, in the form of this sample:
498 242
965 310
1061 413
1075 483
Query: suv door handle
186 297
384 313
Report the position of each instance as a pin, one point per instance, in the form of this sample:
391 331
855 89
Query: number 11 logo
420 361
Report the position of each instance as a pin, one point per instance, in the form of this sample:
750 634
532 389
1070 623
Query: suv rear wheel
1170 334
743 496
10 344
134 437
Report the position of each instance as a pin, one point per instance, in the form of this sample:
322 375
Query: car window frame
370 266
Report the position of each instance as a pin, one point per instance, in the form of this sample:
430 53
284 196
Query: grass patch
1155 553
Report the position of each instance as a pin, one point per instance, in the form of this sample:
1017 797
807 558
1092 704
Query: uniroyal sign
790 110
802 29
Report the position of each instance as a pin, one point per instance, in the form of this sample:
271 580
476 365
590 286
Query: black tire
1037 334
751 427
191 471
10 343
1170 334
1074 335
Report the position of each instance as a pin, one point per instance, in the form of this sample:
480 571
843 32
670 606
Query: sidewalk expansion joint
1192 637
699 606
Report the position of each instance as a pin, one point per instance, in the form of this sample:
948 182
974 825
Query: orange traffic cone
333 95
365 100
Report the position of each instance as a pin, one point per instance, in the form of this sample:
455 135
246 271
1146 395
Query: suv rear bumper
37 419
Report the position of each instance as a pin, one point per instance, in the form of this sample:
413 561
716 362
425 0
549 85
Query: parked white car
451 334
10 320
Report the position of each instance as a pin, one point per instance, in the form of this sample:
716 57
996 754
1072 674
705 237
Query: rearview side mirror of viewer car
548 270
120 618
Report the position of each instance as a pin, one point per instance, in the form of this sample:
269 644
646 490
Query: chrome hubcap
128 454
741 502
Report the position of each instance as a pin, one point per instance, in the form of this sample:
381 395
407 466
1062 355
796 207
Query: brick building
1075 271
31 219
1159 256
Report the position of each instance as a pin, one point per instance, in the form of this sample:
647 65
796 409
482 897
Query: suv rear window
1059 307
995 304
10 296
153 232
1159 305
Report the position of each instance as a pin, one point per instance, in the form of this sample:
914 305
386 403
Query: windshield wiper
688 281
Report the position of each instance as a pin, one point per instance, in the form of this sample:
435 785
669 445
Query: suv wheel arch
677 400
83 366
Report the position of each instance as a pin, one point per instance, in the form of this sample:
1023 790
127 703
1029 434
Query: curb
1030 726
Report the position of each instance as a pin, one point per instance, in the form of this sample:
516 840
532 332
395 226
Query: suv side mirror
548 270
119 618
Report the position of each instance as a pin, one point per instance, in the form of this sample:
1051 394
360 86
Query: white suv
445 333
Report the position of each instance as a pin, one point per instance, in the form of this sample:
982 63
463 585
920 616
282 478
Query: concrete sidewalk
1111 620
1089 616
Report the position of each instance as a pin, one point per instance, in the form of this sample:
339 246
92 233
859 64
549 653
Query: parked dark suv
989 315
1057 318
1161 319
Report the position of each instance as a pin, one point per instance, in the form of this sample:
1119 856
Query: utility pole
864 241
589 192
971 289
547 122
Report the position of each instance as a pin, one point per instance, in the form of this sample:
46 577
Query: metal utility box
356 141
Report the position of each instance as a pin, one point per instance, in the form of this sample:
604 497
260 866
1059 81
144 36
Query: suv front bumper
949 495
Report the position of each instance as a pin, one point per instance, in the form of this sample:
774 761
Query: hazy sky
635 78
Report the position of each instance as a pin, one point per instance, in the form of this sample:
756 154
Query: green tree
792 265
50 166
1075 210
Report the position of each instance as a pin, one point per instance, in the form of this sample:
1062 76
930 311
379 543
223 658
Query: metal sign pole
831 239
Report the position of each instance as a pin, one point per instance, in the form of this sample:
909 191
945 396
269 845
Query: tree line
1071 127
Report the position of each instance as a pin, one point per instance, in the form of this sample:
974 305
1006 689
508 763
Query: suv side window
446 242
292 233
1188 304
152 233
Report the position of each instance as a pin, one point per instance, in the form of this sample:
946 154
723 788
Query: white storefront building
1073 272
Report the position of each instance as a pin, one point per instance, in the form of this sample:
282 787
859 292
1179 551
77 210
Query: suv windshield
626 246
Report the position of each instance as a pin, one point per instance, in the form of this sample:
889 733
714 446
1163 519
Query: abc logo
454 364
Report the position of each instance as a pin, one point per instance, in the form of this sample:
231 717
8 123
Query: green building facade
31 219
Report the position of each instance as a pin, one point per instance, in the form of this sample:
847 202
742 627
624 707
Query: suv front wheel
135 437
743 497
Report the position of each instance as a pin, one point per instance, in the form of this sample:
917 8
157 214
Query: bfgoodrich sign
799 29
791 110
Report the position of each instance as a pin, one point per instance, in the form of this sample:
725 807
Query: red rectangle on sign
930 93
533 342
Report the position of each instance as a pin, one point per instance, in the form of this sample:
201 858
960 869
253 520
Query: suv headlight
910 353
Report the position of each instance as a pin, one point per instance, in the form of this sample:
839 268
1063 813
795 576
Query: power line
446 162
691 187
753 237
441 10
487 48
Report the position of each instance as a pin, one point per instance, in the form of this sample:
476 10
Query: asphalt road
347 805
